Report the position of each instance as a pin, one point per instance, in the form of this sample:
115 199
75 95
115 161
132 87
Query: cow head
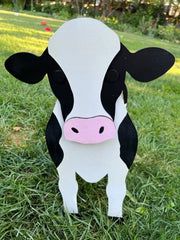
86 66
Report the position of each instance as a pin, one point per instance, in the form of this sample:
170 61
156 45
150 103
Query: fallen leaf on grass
16 129
43 23
48 29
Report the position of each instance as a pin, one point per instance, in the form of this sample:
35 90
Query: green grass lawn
30 203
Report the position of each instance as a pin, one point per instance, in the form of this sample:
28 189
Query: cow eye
59 76
111 76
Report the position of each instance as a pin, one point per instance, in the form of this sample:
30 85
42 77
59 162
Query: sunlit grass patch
176 68
29 15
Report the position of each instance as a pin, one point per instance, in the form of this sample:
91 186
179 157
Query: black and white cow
90 132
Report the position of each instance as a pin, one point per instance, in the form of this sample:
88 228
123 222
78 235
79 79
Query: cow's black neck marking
53 135
128 141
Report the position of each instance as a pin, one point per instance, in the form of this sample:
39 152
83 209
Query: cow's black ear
149 63
26 67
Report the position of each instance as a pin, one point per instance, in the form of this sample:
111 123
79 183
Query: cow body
90 132
92 163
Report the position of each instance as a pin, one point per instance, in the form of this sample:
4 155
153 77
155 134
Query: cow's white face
84 48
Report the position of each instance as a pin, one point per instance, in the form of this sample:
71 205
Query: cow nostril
74 130
101 130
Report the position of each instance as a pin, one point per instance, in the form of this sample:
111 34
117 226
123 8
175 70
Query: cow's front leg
116 189
67 179
68 187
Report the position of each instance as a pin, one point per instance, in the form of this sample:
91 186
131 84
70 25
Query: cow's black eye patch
59 85
112 76
62 90
113 83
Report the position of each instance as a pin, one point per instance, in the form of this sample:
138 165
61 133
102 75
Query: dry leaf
16 129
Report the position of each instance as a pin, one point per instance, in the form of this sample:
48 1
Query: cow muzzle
89 130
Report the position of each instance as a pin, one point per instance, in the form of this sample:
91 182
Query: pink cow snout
89 130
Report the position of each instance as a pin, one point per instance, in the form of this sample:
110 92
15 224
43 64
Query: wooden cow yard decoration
90 132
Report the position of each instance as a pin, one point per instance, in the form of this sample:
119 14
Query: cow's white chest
91 162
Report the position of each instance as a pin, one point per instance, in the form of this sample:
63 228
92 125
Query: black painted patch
113 83
62 90
59 84
149 63
26 67
53 135
128 141
125 94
